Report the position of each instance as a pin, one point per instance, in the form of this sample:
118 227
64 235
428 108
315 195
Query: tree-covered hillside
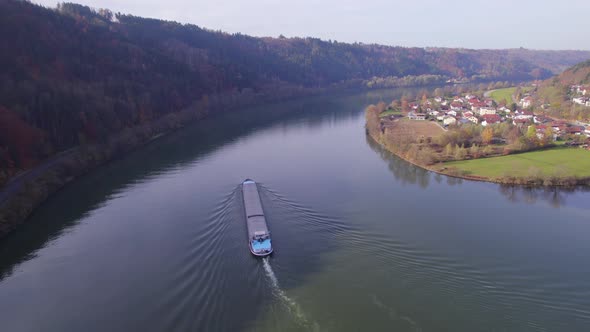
71 74
556 95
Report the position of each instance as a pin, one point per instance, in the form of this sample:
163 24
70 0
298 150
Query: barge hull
258 234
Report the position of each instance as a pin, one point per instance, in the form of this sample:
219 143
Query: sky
538 24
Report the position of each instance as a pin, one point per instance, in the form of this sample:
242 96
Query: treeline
74 75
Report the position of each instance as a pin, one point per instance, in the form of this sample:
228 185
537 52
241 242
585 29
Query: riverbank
24 193
554 166
449 169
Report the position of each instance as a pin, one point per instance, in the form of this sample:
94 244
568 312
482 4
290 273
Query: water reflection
404 171
408 173
555 196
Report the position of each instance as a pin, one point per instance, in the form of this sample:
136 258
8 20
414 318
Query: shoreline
24 193
583 182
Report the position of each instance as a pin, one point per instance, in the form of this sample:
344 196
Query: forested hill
72 74
576 75
556 94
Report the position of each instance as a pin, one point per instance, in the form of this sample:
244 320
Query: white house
452 113
523 115
473 119
581 100
486 110
449 120
583 90
417 116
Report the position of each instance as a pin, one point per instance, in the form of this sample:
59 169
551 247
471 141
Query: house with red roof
456 106
574 130
489 119
520 121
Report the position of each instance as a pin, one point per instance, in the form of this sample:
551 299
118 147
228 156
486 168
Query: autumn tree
531 135
547 136
513 107
405 105
460 152
487 135
513 135
449 150
20 138
474 151
395 104
372 120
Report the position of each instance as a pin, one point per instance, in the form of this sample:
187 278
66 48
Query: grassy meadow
500 94
390 112
554 162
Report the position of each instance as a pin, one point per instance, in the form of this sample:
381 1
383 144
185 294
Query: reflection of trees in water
451 181
556 196
408 173
401 169
438 178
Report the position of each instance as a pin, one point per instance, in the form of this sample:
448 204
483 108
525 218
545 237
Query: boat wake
394 314
289 303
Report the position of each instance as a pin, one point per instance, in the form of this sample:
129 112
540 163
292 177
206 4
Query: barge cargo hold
258 235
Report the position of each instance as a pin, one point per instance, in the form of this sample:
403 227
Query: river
363 241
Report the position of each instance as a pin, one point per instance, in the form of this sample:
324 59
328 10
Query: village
580 95
485 136
484 111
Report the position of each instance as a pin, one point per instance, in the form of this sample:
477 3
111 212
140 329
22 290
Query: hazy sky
539 24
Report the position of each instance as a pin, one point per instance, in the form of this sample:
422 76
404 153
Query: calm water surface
363 241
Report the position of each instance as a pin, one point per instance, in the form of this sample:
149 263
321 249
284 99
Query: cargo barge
258 234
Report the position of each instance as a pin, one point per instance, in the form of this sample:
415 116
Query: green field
558 161
390 112
500 94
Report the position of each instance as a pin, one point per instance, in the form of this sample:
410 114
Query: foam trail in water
394 314
291 305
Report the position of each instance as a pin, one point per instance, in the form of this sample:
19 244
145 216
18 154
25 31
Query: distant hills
556 94
72 75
